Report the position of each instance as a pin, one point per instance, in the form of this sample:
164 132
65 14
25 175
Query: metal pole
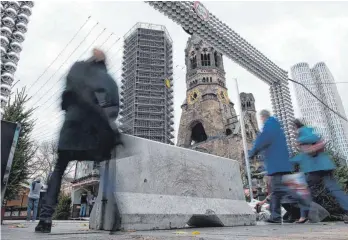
104 200
242 127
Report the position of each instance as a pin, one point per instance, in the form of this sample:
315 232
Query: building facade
16 208
87 178
14 24
147 84
209 122
320 82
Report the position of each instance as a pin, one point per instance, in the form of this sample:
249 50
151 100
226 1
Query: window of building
216 58
193 60
205 58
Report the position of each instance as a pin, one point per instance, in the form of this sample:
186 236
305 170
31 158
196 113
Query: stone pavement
79 230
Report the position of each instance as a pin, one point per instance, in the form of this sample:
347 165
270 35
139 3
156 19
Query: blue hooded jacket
308 163
273 142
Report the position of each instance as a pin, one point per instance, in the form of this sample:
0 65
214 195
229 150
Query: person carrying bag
272 142
317 165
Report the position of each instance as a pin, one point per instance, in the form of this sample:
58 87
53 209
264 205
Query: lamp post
242 127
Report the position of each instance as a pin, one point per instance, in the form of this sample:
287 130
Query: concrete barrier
152 185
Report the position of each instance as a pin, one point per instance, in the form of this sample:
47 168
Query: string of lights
83 40
61 52
41 134
89 47
319 100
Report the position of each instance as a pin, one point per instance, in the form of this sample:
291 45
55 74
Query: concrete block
151 185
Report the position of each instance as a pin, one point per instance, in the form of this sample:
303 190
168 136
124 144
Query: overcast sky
286 32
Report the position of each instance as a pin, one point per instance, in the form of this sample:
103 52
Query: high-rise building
14 21
320 82
147 83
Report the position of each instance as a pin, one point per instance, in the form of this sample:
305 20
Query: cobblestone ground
79 230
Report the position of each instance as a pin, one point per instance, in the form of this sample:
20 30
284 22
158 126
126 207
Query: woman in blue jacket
317 166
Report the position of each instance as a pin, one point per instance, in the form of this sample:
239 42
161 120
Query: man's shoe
44 226
273 221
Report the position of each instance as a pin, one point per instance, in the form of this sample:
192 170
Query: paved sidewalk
78 230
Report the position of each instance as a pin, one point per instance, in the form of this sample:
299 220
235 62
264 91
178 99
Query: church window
203 79
221 83
216 58
193 82
211 79
205 58
193 60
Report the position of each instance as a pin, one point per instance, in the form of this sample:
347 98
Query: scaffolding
146 101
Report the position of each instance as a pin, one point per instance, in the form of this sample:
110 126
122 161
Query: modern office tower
320 81
14 21
147 83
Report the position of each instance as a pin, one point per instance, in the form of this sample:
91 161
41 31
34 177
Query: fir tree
63 208
16 111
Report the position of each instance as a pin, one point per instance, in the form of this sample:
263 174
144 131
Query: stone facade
209 121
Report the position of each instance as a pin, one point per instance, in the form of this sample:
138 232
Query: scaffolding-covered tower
147 83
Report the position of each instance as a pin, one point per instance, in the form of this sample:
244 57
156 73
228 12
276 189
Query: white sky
286 32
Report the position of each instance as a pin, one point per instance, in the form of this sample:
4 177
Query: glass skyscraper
320 82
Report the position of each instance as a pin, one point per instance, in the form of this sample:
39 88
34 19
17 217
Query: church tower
209 121
249 112
207 111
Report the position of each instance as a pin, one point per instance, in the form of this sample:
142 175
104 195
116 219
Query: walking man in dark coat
89 132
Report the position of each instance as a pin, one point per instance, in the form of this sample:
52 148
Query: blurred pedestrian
33 199
317 165
289 204
90 201
91 104
276 156
83 206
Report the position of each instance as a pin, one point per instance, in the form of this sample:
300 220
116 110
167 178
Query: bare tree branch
44 161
